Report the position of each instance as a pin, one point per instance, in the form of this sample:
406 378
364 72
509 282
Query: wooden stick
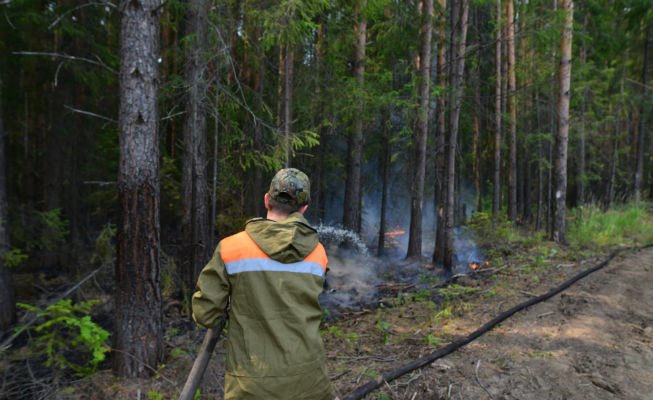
202 361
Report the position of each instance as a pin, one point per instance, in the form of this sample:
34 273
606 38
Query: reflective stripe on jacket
241 254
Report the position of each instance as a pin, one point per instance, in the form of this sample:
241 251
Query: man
271 274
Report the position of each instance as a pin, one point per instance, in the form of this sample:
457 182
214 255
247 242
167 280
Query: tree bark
612 164
461 8
195 218
353 192
477 135
562 137
496 198
540 171
441 128
420 134
7 302
284 109
289 66
582 158
138 344
317 116
512 110
385 174
643 115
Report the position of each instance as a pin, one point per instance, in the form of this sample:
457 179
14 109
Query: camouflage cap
291 186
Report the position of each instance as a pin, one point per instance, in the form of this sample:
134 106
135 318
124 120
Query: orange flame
476 265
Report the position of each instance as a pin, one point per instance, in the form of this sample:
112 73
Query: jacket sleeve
211 297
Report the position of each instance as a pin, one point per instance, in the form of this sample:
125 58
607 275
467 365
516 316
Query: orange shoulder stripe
319 256
239 247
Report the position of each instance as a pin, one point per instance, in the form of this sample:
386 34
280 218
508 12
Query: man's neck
274 216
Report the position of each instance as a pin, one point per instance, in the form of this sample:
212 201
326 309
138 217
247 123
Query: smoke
466 250
352 280
353 274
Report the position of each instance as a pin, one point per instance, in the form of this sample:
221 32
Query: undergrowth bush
68 337
627 225
503 232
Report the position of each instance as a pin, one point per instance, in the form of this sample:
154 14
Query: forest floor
592 341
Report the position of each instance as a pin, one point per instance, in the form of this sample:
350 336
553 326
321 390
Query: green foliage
433 340
170 188
290 21
169 279
14 257
155 395
590 227
423 295
349 338
445 313
105 249
54 229
68 337
455 290
384 327
428 279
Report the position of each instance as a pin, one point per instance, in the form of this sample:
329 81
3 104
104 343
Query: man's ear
266 201
303 208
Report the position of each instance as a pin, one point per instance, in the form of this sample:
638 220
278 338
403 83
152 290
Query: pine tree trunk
7 303
138 338
580 175
540 171
289 66
440 147
562 137
385 175
420 134
643 115
259 141
549 147
317 116
461 8
612 166
476 122
195 218
284 106
512 110
496 198
353 191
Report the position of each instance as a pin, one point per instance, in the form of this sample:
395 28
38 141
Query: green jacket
271 274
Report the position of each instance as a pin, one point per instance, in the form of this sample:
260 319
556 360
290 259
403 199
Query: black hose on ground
362 391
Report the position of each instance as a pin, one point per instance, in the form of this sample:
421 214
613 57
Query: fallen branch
363 390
